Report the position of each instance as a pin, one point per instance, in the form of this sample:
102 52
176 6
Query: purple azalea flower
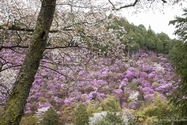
85 97
67 101
124 104
151 75
148 90
38 94
62 77
132 105
99 95
81 72
142 74
117 91
129 74
28 112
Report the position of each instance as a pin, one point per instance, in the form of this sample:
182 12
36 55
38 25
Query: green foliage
134 46
179 60
42 100
91 109
150 44
110 104
1 111
132 37
30 120
160 46
142 27
114 118
162 36
180 25
141 40
50 117
81 115
160 110
66 115
137 37
150 32
111 118
102 122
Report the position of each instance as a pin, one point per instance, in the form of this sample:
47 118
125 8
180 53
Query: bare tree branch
126 6
10 67
129 5
18 28
18 46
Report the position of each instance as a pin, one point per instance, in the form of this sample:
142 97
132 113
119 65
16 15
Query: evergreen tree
134 46
172 43
166 48
50 117
150 44
180 25
132 37
179 59
160 47
81 115
141 40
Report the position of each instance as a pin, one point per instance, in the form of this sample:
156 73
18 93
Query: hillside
93 80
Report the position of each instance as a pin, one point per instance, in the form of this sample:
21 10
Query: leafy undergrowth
111 84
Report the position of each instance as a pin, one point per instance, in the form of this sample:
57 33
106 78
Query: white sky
157 20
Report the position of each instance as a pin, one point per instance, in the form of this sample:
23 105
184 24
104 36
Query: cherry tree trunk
14 108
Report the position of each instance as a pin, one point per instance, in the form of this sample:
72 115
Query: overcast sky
156 19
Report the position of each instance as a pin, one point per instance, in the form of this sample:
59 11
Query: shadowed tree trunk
15 105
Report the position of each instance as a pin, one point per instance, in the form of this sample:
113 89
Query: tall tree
179 59
180 23
20 92
150 44
160 47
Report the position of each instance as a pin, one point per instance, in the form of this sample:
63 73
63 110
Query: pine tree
50 117
179 59
180 25
81 115
160 47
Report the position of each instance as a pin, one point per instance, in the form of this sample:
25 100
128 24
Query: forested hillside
138 37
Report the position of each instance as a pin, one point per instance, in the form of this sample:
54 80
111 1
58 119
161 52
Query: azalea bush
102 84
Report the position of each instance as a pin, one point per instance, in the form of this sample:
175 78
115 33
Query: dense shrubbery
94 107
30 120
66 115
50 117
110 119
81 115
112 84
110 104
151 112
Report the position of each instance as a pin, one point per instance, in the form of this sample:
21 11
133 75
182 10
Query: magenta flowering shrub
82 81
130 74
142 74
164 88
148 90
151 75
38 94
68 100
